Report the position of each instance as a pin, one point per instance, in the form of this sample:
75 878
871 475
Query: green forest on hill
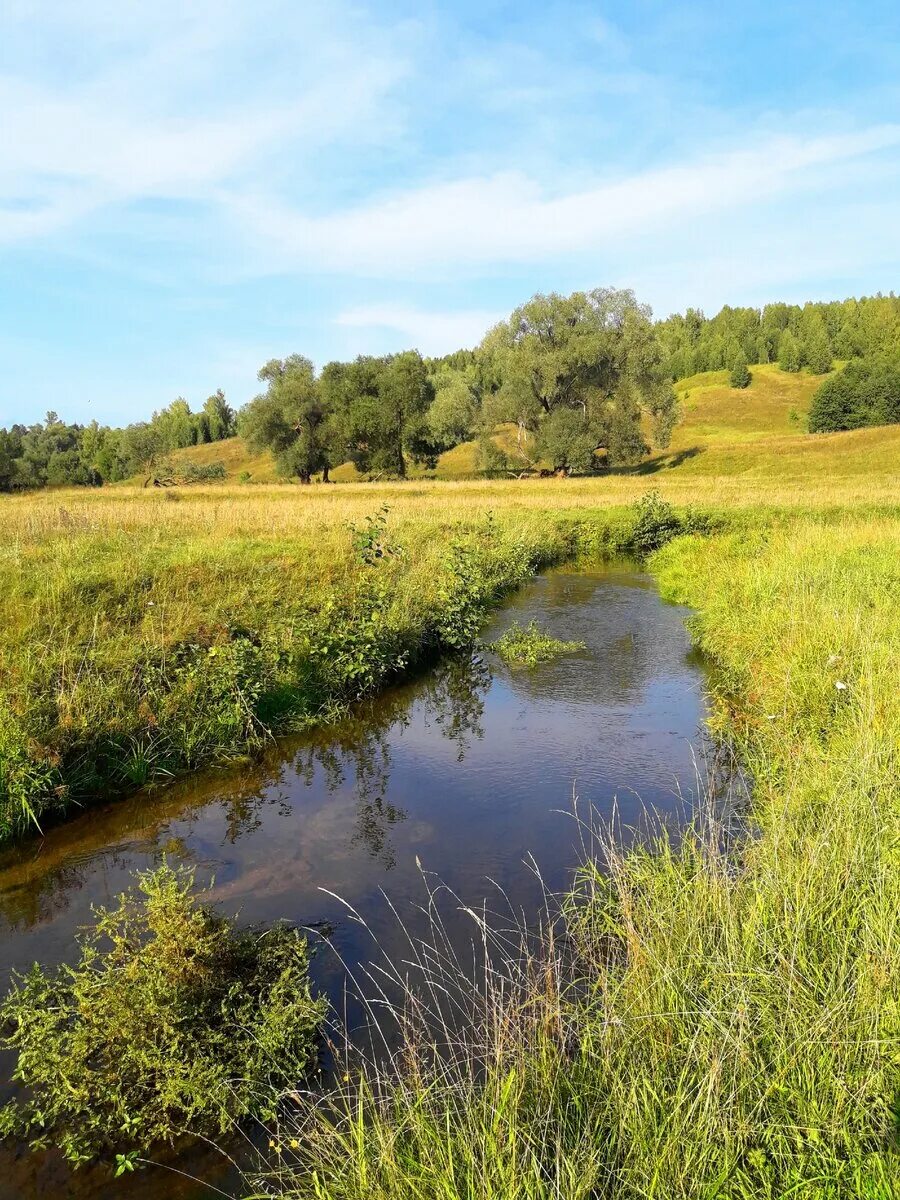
580 382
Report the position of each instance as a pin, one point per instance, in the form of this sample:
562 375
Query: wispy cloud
429 332
477 224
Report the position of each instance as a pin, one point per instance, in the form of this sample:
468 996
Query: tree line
582 380
794 336
53 453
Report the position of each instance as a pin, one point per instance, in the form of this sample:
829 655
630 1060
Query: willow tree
581 371
289 418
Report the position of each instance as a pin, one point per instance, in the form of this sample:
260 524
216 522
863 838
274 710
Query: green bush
655 523
173 1021
866 392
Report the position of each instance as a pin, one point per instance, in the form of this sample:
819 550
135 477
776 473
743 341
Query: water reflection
39 881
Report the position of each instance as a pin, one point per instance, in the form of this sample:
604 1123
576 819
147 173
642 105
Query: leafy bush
202 472
866 392
172 1021
530 645
655 523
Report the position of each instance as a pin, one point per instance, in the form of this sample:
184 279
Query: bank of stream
464 772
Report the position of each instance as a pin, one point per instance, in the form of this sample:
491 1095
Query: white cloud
478 223
430 332
154 115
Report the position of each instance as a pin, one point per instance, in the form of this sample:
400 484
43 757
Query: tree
740 376
788 352
579 370
453 411
289 418
380 410
176 425
817 352
220 417
865 392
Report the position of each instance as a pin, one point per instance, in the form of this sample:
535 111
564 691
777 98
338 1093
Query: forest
585 379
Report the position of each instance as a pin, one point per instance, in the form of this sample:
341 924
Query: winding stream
466 770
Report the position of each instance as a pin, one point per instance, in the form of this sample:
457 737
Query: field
722 1019
725 1022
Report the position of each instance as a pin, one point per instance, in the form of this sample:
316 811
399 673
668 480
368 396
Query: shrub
172 1021
655 523
866 392
202 472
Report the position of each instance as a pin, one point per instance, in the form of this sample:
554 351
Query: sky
188 189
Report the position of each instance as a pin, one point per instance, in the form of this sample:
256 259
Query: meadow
721 1018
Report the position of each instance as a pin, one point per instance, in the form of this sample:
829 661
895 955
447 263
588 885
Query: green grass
526 646
722 1019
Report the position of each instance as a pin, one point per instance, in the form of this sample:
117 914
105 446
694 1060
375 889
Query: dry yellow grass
803 471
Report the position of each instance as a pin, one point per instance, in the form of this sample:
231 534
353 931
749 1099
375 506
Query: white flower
841 687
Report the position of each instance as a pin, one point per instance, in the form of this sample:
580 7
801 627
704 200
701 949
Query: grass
526 646
144 632
717 1019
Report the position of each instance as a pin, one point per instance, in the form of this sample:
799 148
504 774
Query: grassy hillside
775 403
722 431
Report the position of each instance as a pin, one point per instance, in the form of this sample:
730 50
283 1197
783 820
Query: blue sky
190 187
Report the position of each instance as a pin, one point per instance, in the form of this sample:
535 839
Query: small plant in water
173 1021
528 646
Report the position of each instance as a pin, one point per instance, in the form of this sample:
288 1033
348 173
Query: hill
759 430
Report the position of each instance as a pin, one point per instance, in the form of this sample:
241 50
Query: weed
530 645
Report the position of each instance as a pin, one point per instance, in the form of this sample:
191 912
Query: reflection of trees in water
457 698
38 880
452 695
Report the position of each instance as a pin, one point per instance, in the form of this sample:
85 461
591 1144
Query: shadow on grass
659 462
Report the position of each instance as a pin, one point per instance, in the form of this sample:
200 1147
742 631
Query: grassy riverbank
145 633
717 1023
723 1019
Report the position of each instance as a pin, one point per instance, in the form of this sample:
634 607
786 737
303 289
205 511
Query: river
465 774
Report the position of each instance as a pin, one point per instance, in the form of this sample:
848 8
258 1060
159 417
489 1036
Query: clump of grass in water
529 645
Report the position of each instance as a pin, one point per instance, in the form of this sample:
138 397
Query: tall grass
714 1019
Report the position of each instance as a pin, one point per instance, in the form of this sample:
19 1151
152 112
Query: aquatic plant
172 1021
526 646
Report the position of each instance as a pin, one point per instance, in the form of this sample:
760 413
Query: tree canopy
579 371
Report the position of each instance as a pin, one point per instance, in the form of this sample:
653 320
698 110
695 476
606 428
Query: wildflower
295 1145
841 687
